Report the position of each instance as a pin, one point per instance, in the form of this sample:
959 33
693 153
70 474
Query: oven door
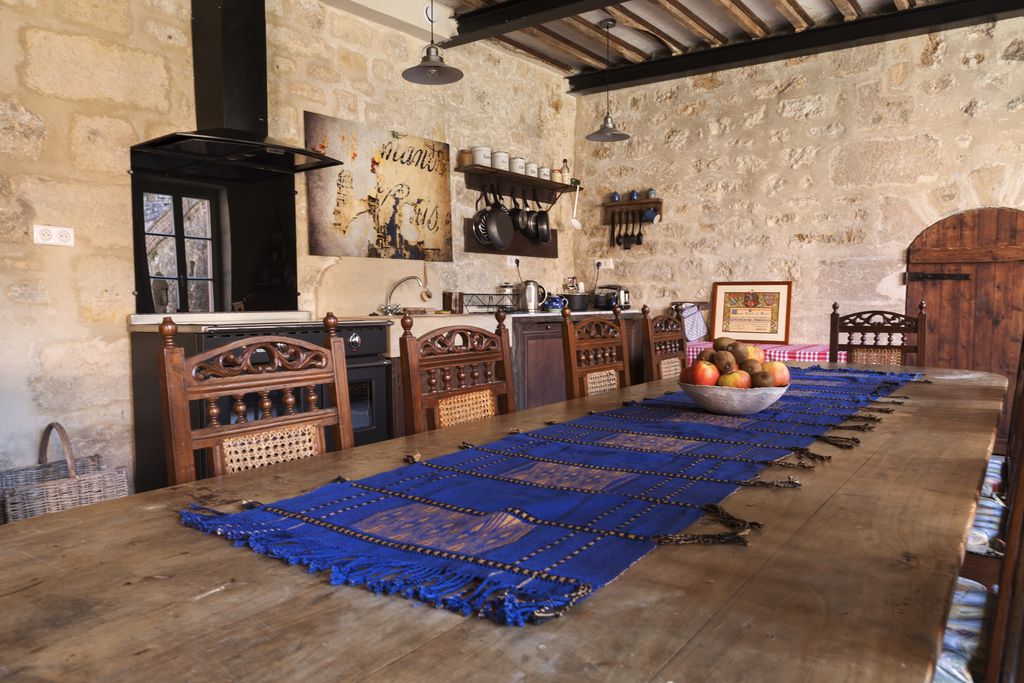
368 396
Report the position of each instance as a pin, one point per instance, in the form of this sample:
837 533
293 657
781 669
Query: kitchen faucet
387 308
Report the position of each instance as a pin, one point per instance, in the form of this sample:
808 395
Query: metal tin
499 160
544 173
517 165
481 156
531 169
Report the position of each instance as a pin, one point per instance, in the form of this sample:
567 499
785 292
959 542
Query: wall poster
751 311
390 199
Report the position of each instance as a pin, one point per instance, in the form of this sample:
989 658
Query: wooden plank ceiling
657 40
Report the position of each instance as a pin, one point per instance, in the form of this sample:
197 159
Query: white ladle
426 294
575 222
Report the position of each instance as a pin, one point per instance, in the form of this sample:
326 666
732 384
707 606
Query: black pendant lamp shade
608 132
432 70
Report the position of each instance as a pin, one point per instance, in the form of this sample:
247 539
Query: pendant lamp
432 70
607 132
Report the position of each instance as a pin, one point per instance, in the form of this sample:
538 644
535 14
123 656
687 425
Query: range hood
229 51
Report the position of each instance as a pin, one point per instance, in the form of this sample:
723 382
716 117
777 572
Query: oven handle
371 364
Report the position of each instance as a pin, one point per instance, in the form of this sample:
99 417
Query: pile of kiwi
729 355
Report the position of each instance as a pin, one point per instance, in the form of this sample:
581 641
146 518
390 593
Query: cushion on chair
670 367
881 355
602 381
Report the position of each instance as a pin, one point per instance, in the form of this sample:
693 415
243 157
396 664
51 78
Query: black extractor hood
229 51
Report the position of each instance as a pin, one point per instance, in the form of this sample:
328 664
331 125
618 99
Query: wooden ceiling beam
795 14
849 9
741 14
623 47
903 4
869 30
637 23
692 22
514 15
560 43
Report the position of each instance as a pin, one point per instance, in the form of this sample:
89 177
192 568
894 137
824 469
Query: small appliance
606 296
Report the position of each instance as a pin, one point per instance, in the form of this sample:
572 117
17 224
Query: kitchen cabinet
537 357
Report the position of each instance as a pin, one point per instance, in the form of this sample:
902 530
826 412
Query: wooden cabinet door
969 269
537 362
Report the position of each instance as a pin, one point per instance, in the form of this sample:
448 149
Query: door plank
970 254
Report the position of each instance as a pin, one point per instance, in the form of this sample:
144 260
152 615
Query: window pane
161 256
197 216
200 296
165 296
198 260
158 213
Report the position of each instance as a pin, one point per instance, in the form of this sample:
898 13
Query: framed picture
751 311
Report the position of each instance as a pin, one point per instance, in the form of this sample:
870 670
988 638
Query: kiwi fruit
739 350
722 343
761 379
724 361
750 366
706 355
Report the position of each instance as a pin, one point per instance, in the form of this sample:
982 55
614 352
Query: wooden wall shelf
607 208
481 178
521 244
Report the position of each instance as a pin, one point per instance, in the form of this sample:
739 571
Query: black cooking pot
499 224
605 301
577 302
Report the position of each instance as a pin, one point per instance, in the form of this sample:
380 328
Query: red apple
778 371
704 373
737 379
755 353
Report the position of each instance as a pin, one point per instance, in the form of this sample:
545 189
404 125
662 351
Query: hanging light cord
607 66
431 22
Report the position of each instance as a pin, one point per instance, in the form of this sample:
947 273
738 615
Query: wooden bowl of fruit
732 378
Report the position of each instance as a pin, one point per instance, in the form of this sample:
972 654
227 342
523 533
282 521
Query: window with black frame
177 268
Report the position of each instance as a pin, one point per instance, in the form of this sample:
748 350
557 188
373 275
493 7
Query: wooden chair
595 354
664 344
275 424
455 374
877 337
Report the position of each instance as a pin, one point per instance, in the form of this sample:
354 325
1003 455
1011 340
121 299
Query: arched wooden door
969 269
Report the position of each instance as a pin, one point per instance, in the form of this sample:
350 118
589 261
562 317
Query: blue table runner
520 529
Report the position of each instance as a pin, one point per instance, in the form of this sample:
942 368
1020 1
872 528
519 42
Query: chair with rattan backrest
595 355
877 337
455 374
1006 627
664 344
260 400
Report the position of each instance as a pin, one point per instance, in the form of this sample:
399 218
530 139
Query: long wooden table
848 581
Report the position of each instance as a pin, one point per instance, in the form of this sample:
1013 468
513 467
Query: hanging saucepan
518 214
479 222
531 220
499 224
543 226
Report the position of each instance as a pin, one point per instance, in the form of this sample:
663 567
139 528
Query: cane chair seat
877 337
595 354
259 399
455 375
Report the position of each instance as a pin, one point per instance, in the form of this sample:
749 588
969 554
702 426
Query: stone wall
82 80
819 170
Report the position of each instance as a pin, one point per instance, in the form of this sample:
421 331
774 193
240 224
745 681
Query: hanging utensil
575 222
612 238
544 225
640 234
426 294
499 224
620 238
627 241
518 214
531 219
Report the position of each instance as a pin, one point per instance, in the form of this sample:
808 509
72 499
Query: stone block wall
819 169
82 80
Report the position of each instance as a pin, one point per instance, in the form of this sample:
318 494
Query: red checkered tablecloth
805 353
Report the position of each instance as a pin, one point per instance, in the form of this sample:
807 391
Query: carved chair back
595 354
455 374
259 398
664 344
877 337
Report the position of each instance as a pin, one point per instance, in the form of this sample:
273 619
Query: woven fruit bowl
732 401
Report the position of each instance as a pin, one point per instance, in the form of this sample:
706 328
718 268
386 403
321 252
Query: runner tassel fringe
839 441
811 455
865 418
878 410
717 512
754 482
728 537
865 427
887 403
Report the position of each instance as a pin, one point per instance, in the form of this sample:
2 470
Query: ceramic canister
556 176
544 173
499 160
531 168
482 156
517 165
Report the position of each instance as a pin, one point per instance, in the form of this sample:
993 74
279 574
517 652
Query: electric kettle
533 294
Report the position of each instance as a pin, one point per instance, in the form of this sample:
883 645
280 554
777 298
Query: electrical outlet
53 235
607 264
511 261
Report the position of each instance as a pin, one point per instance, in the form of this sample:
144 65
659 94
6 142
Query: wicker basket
51 487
